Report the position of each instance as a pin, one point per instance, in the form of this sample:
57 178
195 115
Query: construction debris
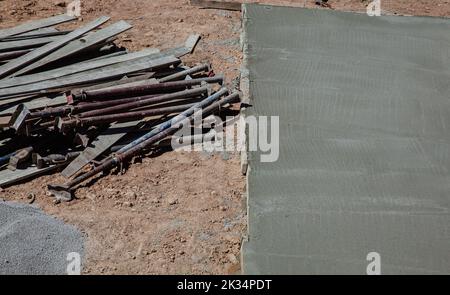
73 101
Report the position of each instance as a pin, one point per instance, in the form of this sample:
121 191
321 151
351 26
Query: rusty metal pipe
122 117
185 140
204 103
5 159
133 151
110 106
53 159
145 101
69 109
65 191
183 74
144 89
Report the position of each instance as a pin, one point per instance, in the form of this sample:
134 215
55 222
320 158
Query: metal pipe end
61 125
70 98
223 91
221 78
208 67
237 96
74 96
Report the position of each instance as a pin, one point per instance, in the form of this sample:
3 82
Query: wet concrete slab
364 165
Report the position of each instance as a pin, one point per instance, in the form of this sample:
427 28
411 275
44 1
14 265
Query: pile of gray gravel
32 242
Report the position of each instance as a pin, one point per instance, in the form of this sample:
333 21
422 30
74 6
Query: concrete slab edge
246 100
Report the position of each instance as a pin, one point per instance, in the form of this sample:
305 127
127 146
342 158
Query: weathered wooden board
26 44
100 74
39 33
186 49
33 25
6 56
79 45
75 68
8 177
15 65
35 104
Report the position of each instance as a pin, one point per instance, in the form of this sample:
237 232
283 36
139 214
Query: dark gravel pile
32 242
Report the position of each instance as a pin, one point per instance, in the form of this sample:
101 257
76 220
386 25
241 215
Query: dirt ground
180 212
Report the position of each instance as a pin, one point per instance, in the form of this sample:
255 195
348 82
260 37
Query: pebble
172 201
232 258
232 239
60 3
128 204
131 195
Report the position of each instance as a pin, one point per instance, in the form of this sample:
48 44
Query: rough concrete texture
364 142
34 243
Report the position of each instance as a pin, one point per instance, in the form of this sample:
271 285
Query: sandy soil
178 213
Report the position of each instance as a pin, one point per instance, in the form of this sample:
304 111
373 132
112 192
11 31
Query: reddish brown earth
178 213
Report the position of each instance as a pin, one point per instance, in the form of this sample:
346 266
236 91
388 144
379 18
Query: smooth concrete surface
364 166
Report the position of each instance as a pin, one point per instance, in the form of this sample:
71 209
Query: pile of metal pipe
206 107
67 105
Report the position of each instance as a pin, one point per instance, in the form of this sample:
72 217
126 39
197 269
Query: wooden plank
8 103
183 50
34 55
79 45
75 68
27 43
117 53
33 25
100 74
8 177
187 48
35 32
224 5
36 104
44 32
